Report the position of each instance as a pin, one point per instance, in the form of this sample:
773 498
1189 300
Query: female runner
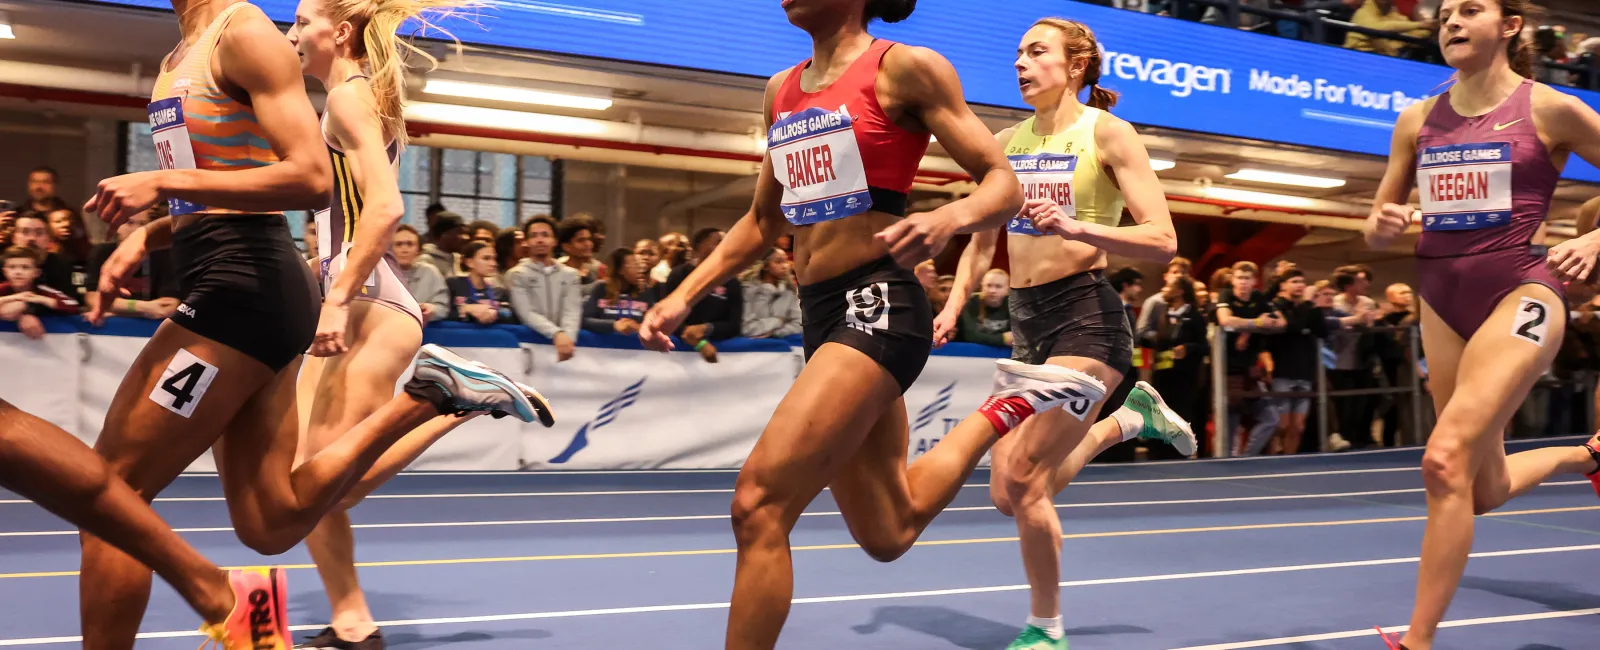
370 327
1486 156
848 129
238 140
1078 166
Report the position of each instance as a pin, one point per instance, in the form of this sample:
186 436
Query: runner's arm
263 64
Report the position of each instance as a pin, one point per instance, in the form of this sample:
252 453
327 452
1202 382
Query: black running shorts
245 285
878 308
1077 316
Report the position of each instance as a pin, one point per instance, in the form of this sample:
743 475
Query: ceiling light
1162 164
1258 198
495 118
5 26
514 94
1284 178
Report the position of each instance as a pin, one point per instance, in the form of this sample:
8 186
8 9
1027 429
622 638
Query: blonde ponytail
383 51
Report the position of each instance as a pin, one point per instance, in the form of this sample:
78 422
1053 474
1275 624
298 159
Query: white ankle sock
1130 421
1051 626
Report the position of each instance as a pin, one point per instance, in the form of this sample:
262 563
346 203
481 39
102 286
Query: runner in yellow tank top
1079 166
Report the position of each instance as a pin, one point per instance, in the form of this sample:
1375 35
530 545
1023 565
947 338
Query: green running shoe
1034 638
1160 421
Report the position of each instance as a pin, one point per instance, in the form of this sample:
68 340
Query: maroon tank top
1485 182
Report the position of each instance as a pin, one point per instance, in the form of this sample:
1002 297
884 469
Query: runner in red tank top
1486 157
847 130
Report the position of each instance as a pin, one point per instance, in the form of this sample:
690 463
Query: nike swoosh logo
1499 127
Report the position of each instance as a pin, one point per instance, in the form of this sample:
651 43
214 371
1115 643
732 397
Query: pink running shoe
260 612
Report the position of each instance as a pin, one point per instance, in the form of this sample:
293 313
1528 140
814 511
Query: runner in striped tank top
1485 158
237 141
371 327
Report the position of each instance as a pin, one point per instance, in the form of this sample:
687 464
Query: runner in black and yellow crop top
1079 167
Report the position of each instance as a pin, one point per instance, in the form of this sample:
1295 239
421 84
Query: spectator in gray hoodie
545 294
771 301
424 281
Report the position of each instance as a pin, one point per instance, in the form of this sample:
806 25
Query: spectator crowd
1278 330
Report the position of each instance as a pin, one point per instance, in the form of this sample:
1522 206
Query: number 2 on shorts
183 383
1532 321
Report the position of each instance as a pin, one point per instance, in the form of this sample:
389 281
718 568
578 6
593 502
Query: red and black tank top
835 151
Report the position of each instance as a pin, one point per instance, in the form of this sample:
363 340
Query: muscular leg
1464 467
147 445
815 430
55 470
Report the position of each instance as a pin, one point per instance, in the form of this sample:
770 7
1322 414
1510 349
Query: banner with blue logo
1171 73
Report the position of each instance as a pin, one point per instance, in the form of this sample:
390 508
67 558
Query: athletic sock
1130 421
1051 626
1005 413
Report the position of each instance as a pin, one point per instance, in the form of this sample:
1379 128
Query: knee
1445 466
998 496
264 539
755 516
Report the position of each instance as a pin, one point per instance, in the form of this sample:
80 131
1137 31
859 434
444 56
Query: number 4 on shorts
183 383
1532 321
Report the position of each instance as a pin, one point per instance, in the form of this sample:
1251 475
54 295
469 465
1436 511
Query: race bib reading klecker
816 159
1465 186
1043 176
173 150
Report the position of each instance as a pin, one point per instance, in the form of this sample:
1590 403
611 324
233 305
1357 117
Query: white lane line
593 493
1350 634
825 513
887 596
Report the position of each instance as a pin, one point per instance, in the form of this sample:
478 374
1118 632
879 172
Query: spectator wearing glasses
153 290
545 293
424 281
475 297
617 305
22 300
771 299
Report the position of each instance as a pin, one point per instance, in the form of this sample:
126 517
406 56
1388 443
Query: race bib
1043 176
173 150
1465 186
816 159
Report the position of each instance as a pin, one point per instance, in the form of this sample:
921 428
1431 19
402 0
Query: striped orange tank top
196 125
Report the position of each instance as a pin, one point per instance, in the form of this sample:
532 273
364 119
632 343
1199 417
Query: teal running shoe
1034 638
1160 421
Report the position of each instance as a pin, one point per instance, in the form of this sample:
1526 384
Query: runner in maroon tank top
1485 158
847 131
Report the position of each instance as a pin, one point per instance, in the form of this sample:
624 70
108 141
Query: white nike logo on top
1499 127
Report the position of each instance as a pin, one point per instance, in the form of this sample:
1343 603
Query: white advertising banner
615 409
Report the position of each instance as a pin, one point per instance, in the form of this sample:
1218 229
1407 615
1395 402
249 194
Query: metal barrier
1223 438
1583 387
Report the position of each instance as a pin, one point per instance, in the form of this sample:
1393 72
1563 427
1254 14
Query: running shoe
1593 446
455 384
327 639
260 612
1021 389
1160 421
1034 638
